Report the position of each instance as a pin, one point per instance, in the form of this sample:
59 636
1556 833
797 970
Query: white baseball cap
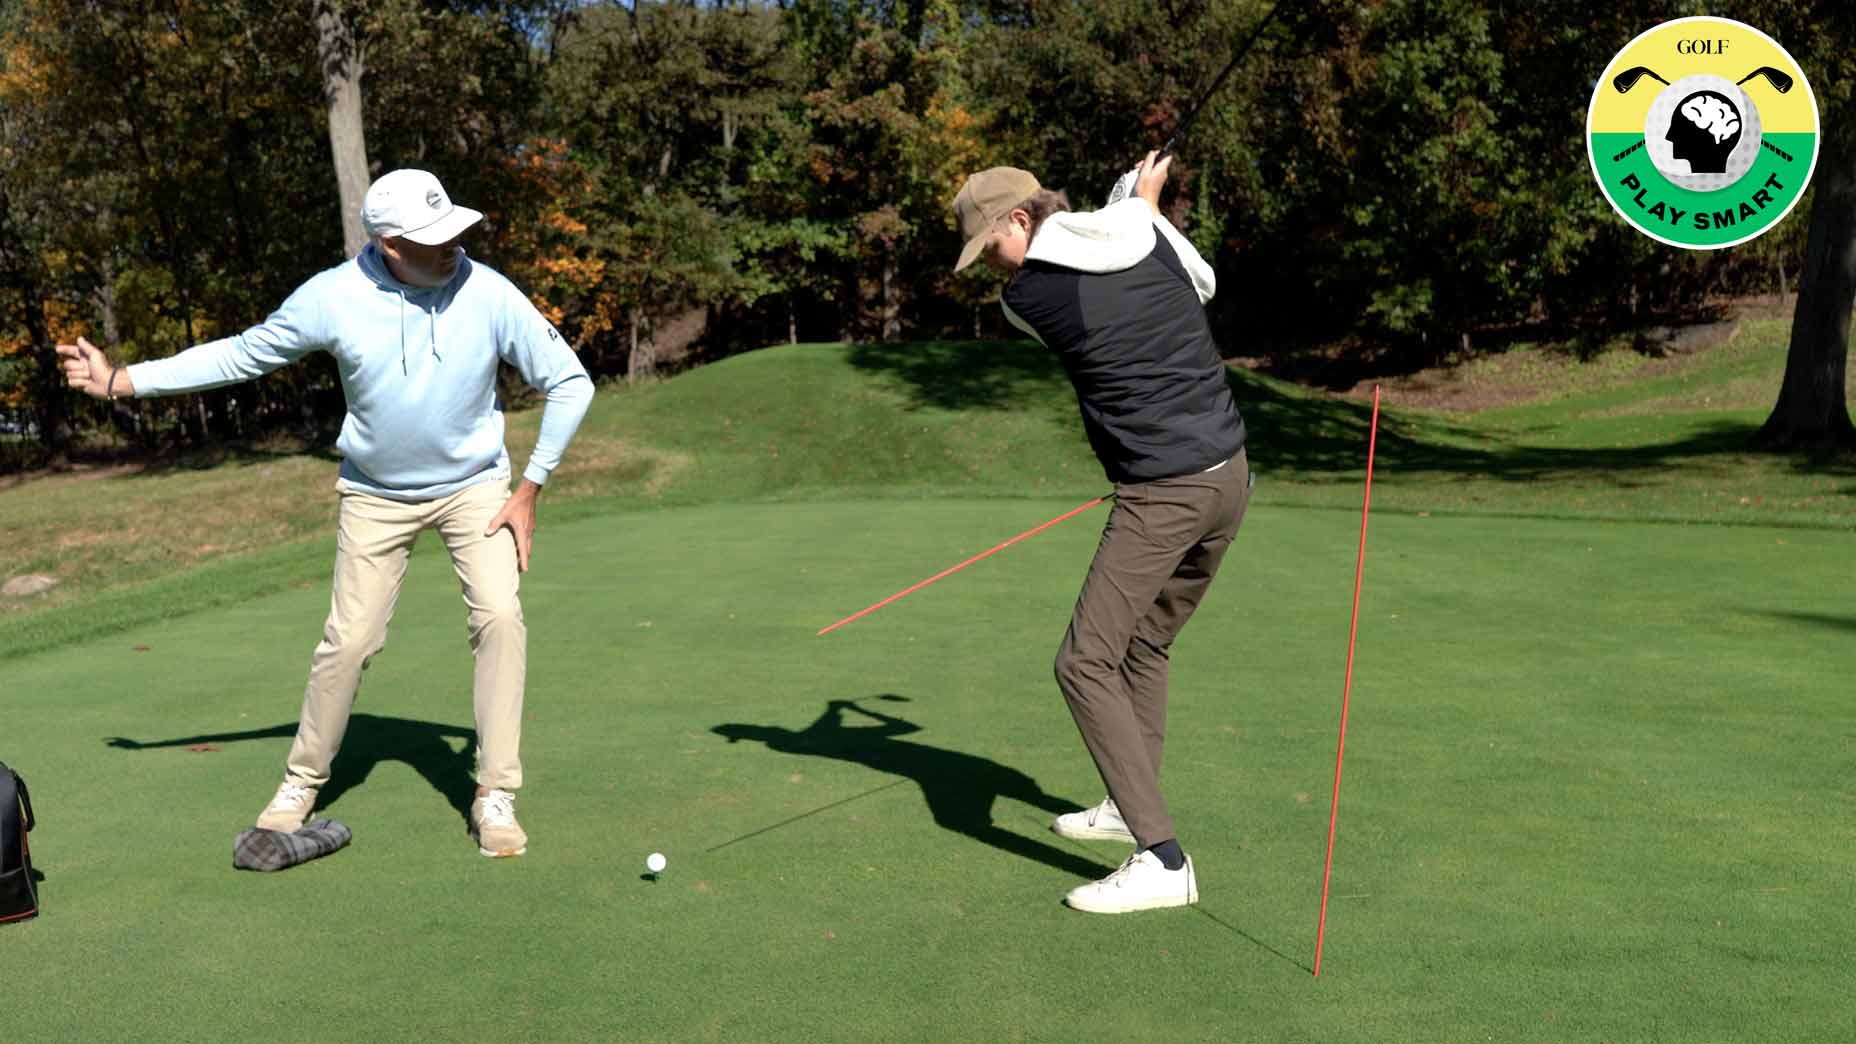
411 204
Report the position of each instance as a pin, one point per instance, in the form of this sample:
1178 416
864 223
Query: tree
891 141
1812 411
1813 408
338 53
29 373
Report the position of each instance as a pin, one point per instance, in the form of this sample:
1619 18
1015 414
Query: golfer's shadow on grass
960 788
370 740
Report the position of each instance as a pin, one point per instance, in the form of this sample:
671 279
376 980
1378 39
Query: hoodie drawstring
433 313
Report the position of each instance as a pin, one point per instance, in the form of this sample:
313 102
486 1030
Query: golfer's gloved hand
1124 187
1150 178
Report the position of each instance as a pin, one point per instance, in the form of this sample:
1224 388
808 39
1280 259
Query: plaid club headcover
258 849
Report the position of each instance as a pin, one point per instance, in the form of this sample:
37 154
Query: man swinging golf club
1119 295
417 330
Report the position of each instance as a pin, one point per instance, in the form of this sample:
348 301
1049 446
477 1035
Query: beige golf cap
983 200
411 204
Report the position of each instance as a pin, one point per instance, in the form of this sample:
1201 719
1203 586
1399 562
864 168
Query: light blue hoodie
418 367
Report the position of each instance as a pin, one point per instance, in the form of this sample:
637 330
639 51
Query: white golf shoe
1142 883
1101 823
288 809
493 824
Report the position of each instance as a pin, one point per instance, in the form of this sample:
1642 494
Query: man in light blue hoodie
417 331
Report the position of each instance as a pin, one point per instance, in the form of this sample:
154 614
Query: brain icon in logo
1704 131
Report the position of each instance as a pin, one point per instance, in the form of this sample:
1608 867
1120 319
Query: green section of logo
1686 218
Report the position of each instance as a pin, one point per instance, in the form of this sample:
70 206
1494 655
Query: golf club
1779 81
1125 184
1640 144
1781 153
1627 79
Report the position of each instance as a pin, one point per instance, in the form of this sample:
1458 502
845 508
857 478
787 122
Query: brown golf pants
1160 549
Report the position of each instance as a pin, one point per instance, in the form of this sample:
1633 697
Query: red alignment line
911 590
1359 571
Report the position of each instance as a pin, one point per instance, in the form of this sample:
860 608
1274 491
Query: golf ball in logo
1703 133
655 862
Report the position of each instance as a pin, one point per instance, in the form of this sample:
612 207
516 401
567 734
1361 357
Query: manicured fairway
1598 787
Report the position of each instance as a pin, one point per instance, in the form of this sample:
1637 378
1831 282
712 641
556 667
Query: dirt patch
75 473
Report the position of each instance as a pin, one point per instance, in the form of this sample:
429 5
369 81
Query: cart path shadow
960 788
425 746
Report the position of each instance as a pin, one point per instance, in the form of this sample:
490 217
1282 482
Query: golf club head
894 697
1627 79
1780 82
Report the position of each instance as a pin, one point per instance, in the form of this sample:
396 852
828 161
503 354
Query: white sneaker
1142 883
493 824
288 809
1101 823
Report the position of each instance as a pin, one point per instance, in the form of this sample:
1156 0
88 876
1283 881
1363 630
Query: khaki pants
373 542
1160 549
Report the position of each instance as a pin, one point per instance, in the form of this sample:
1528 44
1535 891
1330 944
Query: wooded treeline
673 181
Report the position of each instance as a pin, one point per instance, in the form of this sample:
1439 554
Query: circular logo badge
434 199
1702 133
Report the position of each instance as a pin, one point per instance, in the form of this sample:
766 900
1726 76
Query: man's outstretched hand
88 370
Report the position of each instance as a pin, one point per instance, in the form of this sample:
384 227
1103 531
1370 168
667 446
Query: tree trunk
1813 408
340 57
892 309
643 361
106 301
54 406
121 413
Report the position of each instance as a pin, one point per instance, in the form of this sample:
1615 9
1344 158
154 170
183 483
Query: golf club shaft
1124 185
1256 32
955 569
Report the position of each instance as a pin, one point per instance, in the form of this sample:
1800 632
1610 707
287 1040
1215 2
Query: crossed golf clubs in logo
1627 79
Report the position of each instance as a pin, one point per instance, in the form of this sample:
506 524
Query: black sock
1169 854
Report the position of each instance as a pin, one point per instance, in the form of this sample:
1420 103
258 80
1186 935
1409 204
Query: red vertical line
1359 572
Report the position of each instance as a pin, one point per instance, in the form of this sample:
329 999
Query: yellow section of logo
1703 46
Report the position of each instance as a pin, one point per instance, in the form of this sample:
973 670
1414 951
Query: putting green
1597 787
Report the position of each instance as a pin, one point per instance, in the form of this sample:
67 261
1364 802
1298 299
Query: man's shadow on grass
370 740
960 788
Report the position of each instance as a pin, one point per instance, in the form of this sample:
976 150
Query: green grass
816 422
1597 788
1597 778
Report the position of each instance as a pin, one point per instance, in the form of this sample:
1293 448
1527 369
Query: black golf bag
18 899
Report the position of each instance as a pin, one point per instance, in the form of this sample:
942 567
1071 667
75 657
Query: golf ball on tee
655 862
